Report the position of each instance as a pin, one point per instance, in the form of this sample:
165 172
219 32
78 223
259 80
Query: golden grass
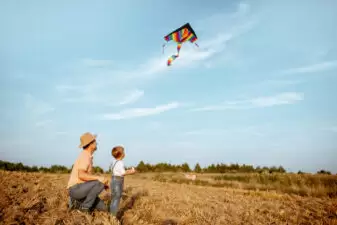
304 184
34 198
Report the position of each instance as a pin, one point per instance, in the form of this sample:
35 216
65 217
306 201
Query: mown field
169 198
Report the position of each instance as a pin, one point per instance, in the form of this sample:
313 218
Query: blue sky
259 90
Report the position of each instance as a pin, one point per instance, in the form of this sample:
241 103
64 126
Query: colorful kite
180 35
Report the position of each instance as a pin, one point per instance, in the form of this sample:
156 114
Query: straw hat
86 139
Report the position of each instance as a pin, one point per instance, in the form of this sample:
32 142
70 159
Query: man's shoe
74 204
84 210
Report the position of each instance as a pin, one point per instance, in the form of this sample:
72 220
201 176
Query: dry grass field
39 198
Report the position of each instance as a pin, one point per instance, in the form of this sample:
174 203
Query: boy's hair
117 151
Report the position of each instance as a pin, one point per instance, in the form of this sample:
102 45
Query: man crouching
84 187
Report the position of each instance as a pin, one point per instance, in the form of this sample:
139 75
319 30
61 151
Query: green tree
185 167
197 168
281 169
323 172
141 167
98 169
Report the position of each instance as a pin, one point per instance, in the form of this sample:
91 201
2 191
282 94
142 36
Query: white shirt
118 168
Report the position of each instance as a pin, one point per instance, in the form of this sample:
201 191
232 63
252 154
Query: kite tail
173 57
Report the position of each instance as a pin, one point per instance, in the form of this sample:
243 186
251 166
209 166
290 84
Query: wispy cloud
258 102
132 97
204 132
64 89
280 99
318 67
141 112
183 144
209 48
114 97
37 107
155 125
103 74
43 123
277 83
97 62
61 133
250 130
331 129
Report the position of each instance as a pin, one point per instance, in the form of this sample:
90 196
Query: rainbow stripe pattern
182 34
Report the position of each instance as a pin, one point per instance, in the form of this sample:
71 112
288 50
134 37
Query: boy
117 179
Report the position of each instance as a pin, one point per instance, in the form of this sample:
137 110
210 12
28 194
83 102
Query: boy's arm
129 172
125 172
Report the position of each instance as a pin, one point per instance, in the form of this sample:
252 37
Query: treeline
213 168
159 167
9 166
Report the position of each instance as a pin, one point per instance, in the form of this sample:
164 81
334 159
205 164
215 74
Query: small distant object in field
190 176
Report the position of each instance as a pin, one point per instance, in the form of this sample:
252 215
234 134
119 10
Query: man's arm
84 171
84 175
90 166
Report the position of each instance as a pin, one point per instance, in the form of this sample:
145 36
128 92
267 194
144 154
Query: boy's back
117 168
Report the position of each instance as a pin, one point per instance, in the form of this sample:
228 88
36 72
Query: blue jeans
117 184
87 193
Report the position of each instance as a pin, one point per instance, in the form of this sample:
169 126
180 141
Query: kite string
164 45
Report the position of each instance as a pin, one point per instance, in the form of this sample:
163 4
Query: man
84 187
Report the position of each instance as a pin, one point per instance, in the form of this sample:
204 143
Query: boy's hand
130 171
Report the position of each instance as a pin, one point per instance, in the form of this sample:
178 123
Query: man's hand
103 180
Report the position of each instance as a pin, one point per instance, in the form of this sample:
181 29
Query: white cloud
319 67
280 99
141 112
132 97
258 102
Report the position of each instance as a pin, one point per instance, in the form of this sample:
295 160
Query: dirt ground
37 198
